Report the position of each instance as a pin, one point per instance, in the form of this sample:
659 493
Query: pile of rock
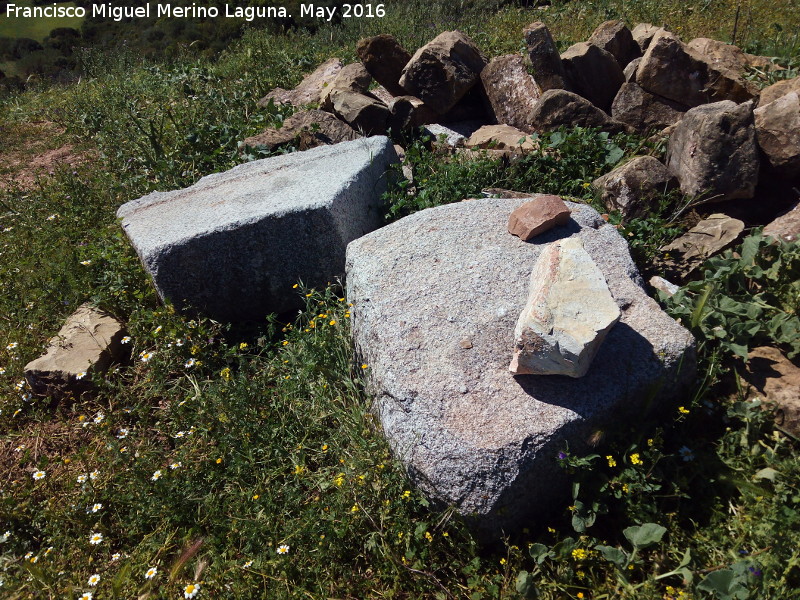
723 134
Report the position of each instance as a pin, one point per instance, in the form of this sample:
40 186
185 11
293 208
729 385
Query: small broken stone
466 343
87 344
538 216
567 315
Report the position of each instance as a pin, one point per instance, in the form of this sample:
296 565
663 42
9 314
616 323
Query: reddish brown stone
537 216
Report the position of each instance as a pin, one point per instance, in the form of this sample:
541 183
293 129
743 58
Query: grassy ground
246 461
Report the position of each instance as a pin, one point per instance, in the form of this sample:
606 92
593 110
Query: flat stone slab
436 299
233 244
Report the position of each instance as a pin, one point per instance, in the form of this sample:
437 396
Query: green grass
269 429
35 28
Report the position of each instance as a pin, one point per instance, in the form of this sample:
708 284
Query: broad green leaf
642 536
613 555
525 585
766 473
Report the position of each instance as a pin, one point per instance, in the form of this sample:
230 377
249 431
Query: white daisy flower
191 590
283 549
94 580
95 538
151 572
37 475
156 476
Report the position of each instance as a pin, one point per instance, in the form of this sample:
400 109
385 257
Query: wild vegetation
244 461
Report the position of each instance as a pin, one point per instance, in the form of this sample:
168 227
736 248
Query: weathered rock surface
645 111
615 38
443 70
672 70
453 135
785 226
708 237
777 380
630 70
559 107
409 111
309 90
233 244
307 129
537 216
500 137
544 58
593 73
644 33
662 285
713 151
363 113
725 58
631 188
352 78
88 343
384 58
470 434
778 134
511 91
778 90
567 316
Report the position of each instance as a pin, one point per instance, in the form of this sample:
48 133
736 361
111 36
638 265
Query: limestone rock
352 78
708 237
567 315
644 33
511 91
777 380
644 111
615 37
384 58
233 244
726 58
713 151
672 70
443 71
786 226
536 216
663 285
500 137
361 112
452 135
559 107
86 345
471 435
632 188
309 90
778 90
593 73
307 129
778 134
544 59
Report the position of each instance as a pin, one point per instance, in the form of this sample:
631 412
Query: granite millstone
436 299
233 245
